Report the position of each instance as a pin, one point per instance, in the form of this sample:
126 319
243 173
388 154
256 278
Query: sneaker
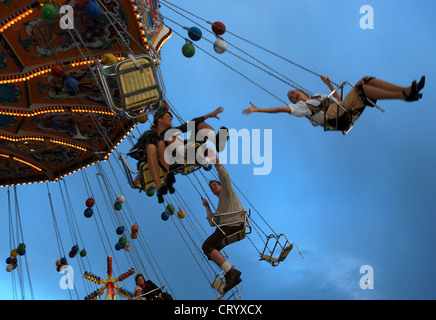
232 279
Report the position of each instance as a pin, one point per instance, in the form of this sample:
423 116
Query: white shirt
300 109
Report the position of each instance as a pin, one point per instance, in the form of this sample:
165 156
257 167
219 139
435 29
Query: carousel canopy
54 118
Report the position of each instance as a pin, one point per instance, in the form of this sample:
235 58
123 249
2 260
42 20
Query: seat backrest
138 87
237 236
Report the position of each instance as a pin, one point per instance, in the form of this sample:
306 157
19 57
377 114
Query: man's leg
232 275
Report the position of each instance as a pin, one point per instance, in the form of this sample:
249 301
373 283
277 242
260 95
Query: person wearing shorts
365 93
228 201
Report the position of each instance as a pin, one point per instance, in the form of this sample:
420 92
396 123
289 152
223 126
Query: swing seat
219 284
281 257
146 181
242 220
284 248
351 117
139 81
184 169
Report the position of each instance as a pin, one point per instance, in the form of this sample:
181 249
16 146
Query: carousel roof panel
47 129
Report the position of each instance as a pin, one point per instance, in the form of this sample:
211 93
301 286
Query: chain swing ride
68 97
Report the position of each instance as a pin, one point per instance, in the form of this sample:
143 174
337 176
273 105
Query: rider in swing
365 93
151 146
228 201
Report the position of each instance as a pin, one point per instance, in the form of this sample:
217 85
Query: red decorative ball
135 228
90 202
57 70
218 28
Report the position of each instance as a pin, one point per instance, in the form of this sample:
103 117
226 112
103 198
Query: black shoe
232 279
421 83
222 132
169 182
162 190
171 189
414 95
160 198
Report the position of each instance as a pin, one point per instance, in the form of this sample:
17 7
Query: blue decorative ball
120 230
194 33
71 84
165 215
92 9
88 212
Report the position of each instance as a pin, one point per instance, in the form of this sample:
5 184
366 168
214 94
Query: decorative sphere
21 250
150 192
92 9
82 1
88 212
117 246
135 228
142 119
121 199
58 263
122 241
57 70
71 254
71 84
90 202
83 253
14 253
49 11
194 33
220 46
8 260
108 58
134 235
207 166
64 261
117 206
127 247
75 249
120 230
165 215
9 268
181 214
218 28
188 50
170 208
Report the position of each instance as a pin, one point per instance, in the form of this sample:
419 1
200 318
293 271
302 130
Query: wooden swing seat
243 220
280 258
138 85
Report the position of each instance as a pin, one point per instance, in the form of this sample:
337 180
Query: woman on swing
151 145
365 93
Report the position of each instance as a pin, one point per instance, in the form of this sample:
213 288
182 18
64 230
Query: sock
226 266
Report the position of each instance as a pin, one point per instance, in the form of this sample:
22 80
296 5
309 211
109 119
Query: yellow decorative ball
181 214
109 58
